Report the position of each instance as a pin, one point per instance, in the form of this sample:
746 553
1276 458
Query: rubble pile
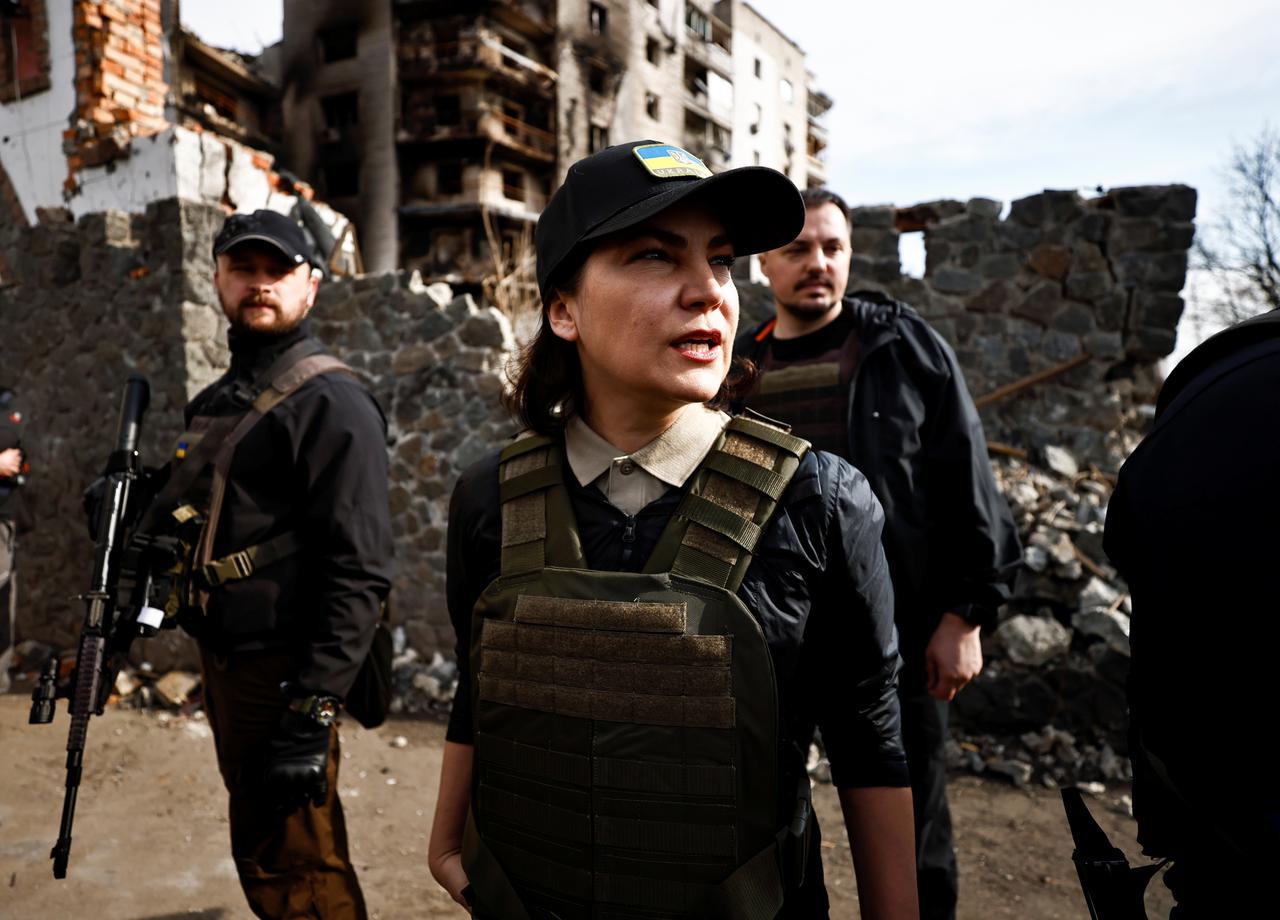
1049 706
421 687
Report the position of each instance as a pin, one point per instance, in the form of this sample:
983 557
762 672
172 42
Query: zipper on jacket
628 538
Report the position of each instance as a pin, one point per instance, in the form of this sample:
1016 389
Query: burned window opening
341 110
341 179
338 43
449 179
597 76
597 138
513 184
448 110
598 19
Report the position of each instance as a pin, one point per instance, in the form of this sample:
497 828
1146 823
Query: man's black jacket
1192 527
317 465
915 434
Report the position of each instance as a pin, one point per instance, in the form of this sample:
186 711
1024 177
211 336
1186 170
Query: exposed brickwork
120 84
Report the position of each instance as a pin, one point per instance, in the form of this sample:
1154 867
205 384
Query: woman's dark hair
546 386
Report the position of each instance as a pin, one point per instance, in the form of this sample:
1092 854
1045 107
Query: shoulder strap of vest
205 452
538 526
731 497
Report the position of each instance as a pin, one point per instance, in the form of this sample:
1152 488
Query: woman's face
654 314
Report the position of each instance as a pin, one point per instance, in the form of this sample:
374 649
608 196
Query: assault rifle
109 625
1112 888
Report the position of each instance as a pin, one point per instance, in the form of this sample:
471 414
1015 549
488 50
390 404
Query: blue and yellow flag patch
667 161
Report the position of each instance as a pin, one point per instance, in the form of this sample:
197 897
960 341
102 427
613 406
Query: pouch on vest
626 724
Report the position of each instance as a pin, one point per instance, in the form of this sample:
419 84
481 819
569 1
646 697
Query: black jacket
316 464
915 434
15 505
1192 528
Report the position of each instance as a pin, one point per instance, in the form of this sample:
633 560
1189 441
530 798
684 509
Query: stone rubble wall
85 302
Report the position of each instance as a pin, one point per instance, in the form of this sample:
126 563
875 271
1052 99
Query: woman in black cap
655 604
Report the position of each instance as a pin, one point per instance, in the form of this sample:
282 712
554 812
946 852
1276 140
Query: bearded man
291 566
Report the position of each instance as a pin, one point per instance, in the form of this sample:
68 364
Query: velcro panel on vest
717 540
524 510
801 377
580 643
628 616
648 679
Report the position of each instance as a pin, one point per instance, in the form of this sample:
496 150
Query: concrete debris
126 683
819 767
1061 462
1111 626
176 688
1018 771
1033 640
1051 696
1097 593
423 688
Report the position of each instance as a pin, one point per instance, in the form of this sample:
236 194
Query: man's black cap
622 186
267 227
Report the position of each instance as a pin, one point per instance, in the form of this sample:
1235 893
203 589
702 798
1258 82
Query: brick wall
26 73
120 81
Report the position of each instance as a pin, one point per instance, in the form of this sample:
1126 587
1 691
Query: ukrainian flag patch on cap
667 161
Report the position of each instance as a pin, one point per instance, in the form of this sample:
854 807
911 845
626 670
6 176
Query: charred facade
444 126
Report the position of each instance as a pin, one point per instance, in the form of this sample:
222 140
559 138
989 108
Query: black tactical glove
297 756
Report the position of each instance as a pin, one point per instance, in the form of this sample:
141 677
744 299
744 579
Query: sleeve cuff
975 614
885 772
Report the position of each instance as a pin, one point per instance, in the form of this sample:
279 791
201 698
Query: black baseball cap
625 185
267 227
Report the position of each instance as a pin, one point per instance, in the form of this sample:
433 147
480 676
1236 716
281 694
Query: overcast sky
938 98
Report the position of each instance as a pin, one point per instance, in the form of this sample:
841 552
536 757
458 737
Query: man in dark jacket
15 518
865 377
1191 526
281 646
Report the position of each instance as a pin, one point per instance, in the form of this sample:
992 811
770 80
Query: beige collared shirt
631 481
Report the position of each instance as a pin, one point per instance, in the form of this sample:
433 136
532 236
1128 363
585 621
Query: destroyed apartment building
443 127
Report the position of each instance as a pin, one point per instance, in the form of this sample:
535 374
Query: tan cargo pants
291 866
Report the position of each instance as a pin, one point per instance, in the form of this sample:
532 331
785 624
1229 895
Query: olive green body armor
626 724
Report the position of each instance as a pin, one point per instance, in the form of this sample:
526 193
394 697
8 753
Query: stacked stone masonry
87 302
1058 279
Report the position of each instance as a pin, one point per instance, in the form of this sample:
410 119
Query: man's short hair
817 197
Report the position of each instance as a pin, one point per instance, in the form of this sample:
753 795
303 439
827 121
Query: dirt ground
150 838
